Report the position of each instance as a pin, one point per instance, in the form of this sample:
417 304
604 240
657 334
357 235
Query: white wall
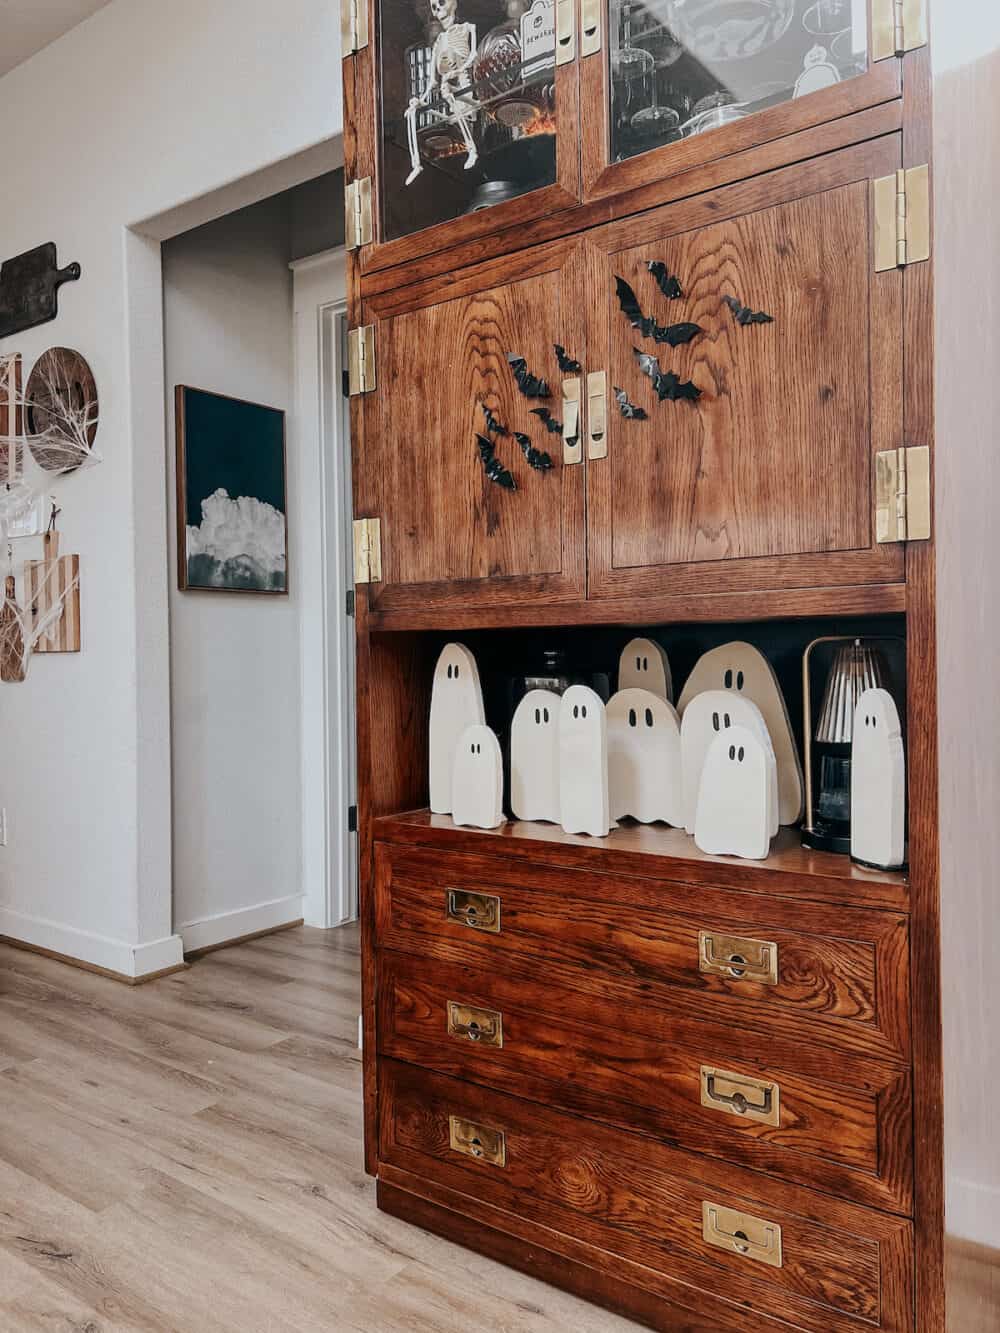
141 109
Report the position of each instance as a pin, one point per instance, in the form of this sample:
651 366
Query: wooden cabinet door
766 481
450 534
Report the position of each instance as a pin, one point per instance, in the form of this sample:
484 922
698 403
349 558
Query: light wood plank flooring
187 1156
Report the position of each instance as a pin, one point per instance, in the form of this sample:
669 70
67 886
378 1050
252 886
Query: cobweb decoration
61 412
11 415
23 629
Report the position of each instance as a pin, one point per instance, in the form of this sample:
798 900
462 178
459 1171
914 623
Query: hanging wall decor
61 411
583 763
666 383
566 363
878 783
744 315
456 703
706 717
628 409
530 385
493 425
11 419
553 426
668 284
52 599
29 289
537 458
644 665
534 757
13 645
674 335
492 466
644 759
732 817
477 780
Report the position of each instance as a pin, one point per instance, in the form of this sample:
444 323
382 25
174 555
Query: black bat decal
628 409
744 315
492 466
540 461
566 363
665 382
672 334
668 284
551 425
492 424
530 385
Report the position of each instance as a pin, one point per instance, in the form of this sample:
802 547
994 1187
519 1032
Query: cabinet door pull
597 414
590 28
736 1094
739 1233
484 1026
478 1141
572 445
478 911
738 957
565 32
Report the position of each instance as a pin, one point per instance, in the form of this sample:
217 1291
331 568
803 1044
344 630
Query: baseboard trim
218 932
129 963
192 955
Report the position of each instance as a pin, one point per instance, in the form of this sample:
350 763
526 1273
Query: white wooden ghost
878 783
644 665
477 780
644 758
733 816
744 669
534 757
456 703
706 717
583 763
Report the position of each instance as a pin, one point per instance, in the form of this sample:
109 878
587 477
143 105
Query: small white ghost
644 758
534 757
745 670
878 783
583 763
644 665
704 718
733 815
456 703
477 780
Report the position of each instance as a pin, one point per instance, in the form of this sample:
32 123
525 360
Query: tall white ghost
456 703
644 665
644 758
583 763
704 718
745 670
477 779
878 783
534 757
733 815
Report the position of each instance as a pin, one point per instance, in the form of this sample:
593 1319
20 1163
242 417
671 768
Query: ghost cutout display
644 759
456 703
706 717
644 665
583 763
534 757
745 670
878 783
733 818
477 780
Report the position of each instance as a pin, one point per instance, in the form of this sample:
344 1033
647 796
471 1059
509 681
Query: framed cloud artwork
232 531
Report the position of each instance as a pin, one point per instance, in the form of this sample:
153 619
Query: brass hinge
353 26
902 208
903 495
358 225
361 360
367 550
898 26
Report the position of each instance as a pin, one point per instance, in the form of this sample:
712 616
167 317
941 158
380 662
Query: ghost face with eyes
733 814
583 763
644 759
534 757
878 783
705 718
644 665
477 780
456 703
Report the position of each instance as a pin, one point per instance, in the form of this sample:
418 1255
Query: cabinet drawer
763 1249
816 973
743 1096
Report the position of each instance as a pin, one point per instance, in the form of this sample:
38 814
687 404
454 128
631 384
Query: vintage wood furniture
700 1091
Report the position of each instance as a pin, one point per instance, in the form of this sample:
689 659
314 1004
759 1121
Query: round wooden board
60 387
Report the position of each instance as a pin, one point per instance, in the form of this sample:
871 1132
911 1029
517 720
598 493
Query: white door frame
323 576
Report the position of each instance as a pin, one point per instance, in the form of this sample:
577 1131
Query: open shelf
658 852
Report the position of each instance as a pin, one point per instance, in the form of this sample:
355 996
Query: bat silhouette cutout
628 409
744 315
530 385
553 426
668 284
671 334
537 459
493 426
566 363
665 382
492 466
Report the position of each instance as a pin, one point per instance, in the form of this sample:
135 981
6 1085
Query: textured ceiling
28 25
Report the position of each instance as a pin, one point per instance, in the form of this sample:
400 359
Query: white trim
128 960
972 1211
332 259
226 926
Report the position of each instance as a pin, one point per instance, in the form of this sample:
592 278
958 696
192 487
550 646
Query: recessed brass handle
565 31
572 444
597 414
736 1094
478 1141
590 28
738 957
740 1233
478 911
483 1026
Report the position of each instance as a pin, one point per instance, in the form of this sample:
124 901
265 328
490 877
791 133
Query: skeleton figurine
452 58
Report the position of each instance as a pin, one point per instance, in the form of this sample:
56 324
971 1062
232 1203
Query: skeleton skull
444 11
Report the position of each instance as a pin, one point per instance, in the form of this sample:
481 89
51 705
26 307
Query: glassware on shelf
826 18
713 111
719 31
631 65
657 121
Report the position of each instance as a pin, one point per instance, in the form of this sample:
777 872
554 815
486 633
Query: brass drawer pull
736 1094
478 911
738 957
485 1145
484 1026
739 1233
